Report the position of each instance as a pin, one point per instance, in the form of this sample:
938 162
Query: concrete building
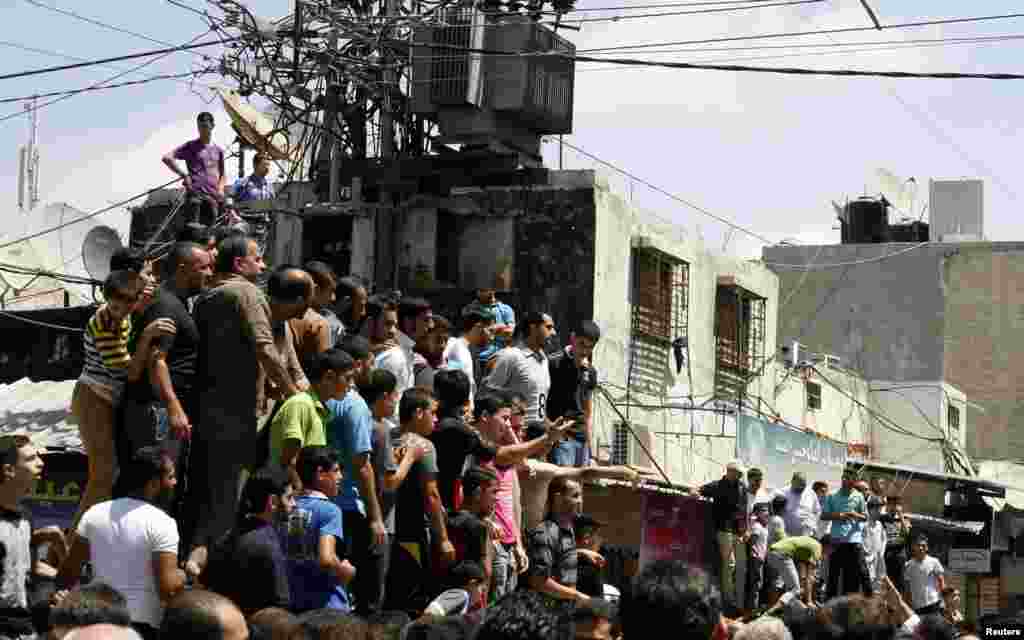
827 399
938 316
563 242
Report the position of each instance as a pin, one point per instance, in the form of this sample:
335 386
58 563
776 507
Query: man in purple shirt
204 182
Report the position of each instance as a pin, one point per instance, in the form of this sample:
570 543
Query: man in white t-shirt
385 341
131 541
476 332
924 578
524 368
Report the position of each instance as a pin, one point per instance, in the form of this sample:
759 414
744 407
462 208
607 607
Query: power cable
100 23
884 420
854 263
37 107
797 34
668 194
939 134
787 3
662 5
854 43
71 92
58 54
88 216
855 73
132 56
182 5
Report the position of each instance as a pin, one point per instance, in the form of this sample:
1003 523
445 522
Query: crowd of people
304 445
815 545
290 455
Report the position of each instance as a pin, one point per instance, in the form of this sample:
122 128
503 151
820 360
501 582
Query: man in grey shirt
20 468
524 368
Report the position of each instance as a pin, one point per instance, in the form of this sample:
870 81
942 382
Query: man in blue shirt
350 432
847 510
255 186
504 326
313 539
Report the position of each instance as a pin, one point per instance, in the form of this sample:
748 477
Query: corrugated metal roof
39 410
927 474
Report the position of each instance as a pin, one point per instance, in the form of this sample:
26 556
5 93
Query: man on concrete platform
236 343
204 179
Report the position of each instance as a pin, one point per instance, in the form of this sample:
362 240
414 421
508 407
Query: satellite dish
97 248
254 127
900 193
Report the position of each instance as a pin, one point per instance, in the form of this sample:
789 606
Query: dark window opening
449 232
953 417
328 239
813 390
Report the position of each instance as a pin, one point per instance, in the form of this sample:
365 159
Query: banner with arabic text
779 451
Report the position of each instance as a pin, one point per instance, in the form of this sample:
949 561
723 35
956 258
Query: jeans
570 453
202 209
785 566
371 562
503 569
847 561
755 582
895 561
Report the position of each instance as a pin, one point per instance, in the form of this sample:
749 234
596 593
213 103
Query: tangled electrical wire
338 75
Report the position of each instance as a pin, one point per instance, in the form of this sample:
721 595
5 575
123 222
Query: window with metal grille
953 417
626 449
813 390
659 310
740 325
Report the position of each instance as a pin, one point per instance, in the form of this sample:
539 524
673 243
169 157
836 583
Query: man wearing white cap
729 513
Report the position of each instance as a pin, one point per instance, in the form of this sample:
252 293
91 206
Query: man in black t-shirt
573 380
417 504
248 564
159 406
453 439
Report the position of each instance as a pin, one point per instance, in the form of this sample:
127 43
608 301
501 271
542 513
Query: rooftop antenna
28 163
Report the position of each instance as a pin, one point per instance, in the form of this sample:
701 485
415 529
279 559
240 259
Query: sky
766 151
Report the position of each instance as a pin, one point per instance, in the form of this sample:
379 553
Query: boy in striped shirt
108 365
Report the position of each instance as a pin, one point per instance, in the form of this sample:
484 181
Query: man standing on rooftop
204 182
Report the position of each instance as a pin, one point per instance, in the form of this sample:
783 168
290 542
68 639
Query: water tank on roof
865 221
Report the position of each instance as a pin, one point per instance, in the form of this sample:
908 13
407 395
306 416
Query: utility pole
28 163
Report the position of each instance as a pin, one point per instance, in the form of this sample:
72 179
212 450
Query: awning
39 410
934 523
952 482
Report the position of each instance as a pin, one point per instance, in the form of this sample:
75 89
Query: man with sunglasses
204 182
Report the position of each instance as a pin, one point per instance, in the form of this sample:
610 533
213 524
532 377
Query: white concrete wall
920 408
684 442
840 416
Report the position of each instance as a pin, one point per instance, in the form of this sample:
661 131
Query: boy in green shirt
796 560
300 420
